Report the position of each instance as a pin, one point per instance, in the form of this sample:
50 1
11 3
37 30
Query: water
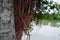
46 32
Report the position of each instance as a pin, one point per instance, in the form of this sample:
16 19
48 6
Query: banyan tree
15 16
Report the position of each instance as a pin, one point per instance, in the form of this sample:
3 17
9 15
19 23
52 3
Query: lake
45 32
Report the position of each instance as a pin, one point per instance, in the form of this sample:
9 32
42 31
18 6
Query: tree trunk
23 10
7 31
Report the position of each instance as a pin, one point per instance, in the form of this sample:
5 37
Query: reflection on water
49 31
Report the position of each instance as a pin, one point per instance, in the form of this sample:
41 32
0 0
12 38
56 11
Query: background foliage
46 12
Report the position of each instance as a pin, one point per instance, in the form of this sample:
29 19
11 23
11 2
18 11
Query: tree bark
7 31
